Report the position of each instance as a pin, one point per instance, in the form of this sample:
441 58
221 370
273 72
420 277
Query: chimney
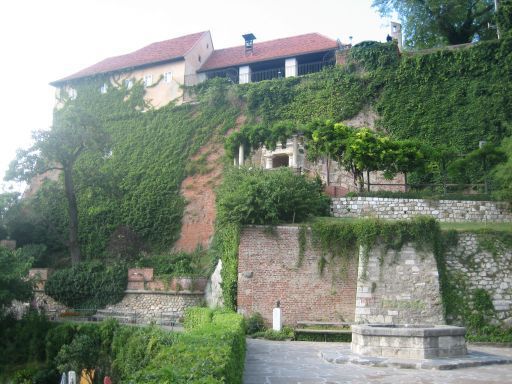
249 39
396 33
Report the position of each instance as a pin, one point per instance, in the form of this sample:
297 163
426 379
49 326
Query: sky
42 41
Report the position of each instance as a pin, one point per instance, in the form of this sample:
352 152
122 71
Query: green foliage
13 284
133 349
256 196
197 318
372 55
88 285
212 352
254 323
341 239
23 340
503 173
431 97
430 23
176 264
225 245
286 333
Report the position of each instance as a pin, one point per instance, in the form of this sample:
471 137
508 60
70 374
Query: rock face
442 210
213 294
398 288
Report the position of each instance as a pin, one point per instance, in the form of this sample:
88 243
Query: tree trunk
360 179
368 179
74 249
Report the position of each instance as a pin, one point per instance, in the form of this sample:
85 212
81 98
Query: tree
430 23
363 153
81 354
74 132
13 282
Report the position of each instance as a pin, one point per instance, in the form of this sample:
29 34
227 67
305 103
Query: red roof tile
268 50
154 53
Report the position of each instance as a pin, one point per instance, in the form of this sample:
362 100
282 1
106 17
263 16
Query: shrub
88 285
256 196
255 323
212 351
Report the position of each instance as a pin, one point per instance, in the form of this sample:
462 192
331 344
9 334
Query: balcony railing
274 73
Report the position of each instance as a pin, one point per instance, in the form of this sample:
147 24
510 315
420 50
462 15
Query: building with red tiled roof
166 66
294 46
162 66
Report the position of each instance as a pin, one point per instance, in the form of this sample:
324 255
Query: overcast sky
42 41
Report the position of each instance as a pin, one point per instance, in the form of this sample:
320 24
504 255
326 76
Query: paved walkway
285 362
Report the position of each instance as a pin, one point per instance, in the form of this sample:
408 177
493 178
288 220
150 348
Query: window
72 93
104 88
128 83
168 77
148 80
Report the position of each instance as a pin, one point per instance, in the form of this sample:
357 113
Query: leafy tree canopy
13 285
431 23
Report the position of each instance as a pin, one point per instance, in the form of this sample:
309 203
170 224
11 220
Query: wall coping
362 198
169 293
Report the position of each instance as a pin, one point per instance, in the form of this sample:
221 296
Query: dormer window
148 80
128 83
104 88
168 77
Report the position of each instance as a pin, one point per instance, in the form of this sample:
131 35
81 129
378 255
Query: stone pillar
276 319
241 155
244 74
268 162
291 67
295 154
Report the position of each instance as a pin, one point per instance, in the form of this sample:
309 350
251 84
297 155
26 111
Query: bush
88 285
213 351
255 323
256 196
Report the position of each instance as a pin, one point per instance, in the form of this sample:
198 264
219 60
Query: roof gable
268 50
162 51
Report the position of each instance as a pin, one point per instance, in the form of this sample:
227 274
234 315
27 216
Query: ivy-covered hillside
451 97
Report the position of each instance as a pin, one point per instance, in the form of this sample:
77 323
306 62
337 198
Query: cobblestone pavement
276 362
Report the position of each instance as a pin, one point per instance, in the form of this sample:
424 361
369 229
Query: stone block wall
477 268
442 210
398 288
268 271
149 305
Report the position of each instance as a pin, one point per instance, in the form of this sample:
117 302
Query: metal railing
268 74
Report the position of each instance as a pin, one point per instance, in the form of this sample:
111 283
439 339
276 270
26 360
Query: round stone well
408 341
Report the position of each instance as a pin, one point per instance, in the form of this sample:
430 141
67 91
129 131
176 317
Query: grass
474 226
462 227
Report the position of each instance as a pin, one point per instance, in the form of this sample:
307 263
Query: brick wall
268 271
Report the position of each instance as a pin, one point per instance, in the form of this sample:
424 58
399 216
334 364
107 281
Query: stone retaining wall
398 288
442 210
476 268
149 305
